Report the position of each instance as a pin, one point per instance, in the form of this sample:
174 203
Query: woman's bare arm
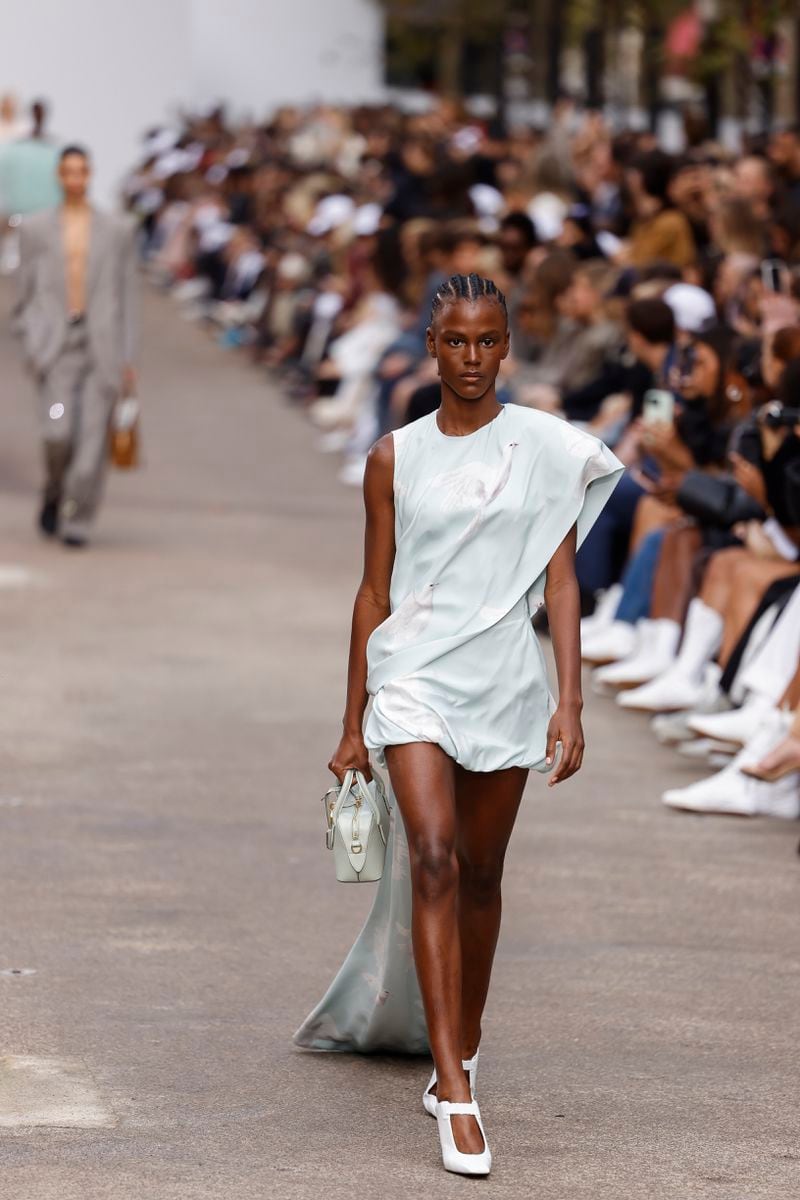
562 597
372 600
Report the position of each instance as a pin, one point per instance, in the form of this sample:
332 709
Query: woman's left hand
565 727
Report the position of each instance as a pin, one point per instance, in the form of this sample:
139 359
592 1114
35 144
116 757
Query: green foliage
726 39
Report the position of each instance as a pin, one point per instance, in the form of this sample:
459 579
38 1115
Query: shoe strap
448 1107
466 1063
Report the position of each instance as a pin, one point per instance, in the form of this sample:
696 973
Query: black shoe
48 518
74 541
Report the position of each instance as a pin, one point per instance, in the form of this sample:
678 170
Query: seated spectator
659 230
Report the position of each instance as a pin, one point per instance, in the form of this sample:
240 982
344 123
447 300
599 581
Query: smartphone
686 363
773 274
659 407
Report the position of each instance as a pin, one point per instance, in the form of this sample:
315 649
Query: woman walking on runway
473 516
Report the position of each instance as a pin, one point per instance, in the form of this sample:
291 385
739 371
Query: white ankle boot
729 792
674 727
656 647
736 725
453 1158
681 685
610 643
672 692
469 1064
605 611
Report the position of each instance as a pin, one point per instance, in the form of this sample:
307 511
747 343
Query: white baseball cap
367 220
331 213
691 306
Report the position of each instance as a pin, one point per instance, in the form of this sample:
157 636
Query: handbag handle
332 810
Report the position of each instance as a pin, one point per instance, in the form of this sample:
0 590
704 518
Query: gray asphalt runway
169 700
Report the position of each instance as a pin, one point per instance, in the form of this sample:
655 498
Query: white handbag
357 816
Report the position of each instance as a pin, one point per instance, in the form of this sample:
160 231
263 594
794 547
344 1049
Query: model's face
469 340
73 175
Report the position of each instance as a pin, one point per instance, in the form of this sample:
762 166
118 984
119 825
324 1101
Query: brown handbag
124 447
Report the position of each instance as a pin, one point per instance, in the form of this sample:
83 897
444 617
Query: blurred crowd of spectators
653 300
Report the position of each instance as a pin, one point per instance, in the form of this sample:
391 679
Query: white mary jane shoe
469 1064
453 1158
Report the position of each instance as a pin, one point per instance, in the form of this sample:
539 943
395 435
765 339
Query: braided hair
467 287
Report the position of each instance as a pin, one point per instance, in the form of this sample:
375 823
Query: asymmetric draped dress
457 662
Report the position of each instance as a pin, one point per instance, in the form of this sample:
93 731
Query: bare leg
791 698
672 587
651 513
718 577
423 780
486 808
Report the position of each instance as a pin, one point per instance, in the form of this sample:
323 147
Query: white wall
111 68
259 53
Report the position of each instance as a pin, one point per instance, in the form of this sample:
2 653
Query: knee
481 880
434 868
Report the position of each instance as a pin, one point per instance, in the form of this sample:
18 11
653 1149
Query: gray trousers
76 408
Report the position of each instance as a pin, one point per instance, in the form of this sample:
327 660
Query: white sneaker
674 726
610 643
656 643
666 693
705 749
779 799
737 725
729 792
604 612
453 1158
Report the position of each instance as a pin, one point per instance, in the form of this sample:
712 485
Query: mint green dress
457 662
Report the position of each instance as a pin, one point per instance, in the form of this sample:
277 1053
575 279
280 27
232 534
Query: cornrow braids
467 287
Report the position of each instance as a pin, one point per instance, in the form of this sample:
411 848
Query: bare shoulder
378 477
382 451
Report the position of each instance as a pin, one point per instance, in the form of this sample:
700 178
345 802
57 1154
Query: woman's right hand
351 753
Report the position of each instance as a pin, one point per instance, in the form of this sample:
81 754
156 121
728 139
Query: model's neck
458 416
75 204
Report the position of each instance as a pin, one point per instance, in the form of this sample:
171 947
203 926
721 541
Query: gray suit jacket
40 311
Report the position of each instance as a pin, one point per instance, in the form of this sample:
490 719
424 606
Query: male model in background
76 315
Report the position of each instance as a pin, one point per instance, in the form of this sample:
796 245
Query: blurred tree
429 40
